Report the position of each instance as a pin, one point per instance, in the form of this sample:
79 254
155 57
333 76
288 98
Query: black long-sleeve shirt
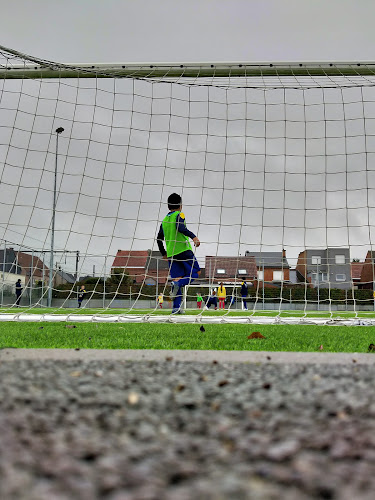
181 228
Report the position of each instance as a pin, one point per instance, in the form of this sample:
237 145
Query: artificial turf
307 338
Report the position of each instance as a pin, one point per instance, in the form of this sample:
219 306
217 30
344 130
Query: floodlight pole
50 281
4 262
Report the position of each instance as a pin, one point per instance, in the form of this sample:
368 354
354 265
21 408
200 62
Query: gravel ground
167 429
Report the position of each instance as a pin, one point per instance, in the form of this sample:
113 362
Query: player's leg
244 302
176 271
191 267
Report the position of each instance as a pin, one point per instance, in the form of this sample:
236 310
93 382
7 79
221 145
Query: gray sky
194 30
115 174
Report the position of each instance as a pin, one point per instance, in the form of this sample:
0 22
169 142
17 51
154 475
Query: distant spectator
244 291
221 293
81 295
18 292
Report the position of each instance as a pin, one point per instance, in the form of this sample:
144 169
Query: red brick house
272 267
356 272
368 270
142 266
230 269
28 264
31 265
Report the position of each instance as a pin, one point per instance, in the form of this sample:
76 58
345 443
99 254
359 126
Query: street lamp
58 132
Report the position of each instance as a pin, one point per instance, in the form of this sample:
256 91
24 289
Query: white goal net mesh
275 166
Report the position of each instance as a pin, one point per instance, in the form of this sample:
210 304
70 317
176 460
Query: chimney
284 253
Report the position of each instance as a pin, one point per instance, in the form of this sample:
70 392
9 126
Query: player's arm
159 240
181 228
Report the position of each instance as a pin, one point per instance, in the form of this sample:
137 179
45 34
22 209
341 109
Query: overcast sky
116 173
190 30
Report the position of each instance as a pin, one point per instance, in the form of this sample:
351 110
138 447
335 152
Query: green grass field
185 336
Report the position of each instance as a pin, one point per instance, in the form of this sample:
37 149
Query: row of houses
29 268
330 267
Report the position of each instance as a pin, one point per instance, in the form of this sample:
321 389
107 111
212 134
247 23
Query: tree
118 276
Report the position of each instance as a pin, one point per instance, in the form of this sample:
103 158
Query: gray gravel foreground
177 430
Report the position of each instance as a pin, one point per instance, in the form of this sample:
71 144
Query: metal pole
157 277
105 263
77 260
317 277
210 279
263 285
4 261
43 276
31 278
50 284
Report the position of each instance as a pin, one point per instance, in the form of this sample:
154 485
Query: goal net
275 165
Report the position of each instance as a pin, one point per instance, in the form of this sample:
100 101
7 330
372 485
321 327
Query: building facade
230 269
272 267
329 267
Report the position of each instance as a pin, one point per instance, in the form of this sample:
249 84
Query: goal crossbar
40 68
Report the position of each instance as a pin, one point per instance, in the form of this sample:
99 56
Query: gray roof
269 259
69 278
10 261
156 261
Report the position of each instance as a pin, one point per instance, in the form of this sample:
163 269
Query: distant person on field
160 300
18 292
183 266
199 301
212 300
221 293
81 295
244 292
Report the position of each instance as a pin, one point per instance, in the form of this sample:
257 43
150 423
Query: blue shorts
183 265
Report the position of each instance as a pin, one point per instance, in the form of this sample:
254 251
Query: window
260 275
316 259
242 271
322 277
220 271
340 259
278 276
340 277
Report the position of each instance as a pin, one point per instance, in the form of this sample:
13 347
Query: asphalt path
153 425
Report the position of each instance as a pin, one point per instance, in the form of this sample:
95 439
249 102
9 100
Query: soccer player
18 292
199 300
183 266
222 294
160 300
81 295
212 300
